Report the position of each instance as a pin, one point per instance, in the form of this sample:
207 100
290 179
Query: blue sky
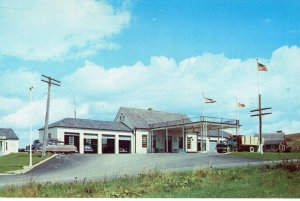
159 54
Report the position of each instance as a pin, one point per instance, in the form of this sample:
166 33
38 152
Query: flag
209 100
241 105
262 67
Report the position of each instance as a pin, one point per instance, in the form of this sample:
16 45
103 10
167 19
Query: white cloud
59 109
172 86
16 83
57 29
9 104
167 85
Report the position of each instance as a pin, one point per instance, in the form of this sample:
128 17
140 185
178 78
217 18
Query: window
144 141
71 140
6 147
122 117
49 136
180 142
88 141
189 141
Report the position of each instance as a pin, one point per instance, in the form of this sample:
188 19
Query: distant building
9 141
274 141
293 141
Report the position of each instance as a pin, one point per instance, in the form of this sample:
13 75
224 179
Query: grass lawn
16 161
266 155
267 181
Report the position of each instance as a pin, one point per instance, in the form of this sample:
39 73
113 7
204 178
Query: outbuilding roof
272 138
89 124
141 118
8 133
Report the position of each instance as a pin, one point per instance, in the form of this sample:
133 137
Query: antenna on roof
74 106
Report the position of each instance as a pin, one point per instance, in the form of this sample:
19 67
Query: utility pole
50 81
260 114
30 125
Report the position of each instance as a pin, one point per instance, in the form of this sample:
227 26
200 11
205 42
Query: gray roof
214 133
272 138
141 118
8 133
268 142
89 124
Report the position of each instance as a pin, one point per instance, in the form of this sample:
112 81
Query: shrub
291 166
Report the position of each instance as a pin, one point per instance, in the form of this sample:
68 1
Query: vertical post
99 143
151 141
81 143
206 138
50 81
74 106
222 134
116 144
167 141
202 138
30 125
183 140
46 121
236 114
260 124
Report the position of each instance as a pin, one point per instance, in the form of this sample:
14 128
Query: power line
260 114
50 81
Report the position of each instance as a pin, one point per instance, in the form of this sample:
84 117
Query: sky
149 54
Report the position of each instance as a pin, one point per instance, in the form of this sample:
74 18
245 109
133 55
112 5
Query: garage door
108 144
124 144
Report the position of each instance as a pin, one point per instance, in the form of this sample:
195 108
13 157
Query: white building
9 141
103 136
142 131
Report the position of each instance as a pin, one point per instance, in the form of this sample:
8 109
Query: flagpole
257 76
236 113
259 107
202 126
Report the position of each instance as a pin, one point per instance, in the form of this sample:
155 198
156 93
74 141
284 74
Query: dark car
33 145
88 148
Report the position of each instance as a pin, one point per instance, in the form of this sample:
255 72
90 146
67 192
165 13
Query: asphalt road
63 168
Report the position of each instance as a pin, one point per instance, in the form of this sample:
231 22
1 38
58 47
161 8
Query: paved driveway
63 168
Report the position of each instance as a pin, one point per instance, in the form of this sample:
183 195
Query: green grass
268 181
16 161
266 155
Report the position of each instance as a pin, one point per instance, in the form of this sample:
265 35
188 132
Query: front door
170 144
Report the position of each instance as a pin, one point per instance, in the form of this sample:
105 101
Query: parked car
33 145
55 146
88 148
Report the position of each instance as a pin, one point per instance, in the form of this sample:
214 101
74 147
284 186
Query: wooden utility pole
50 81
260 114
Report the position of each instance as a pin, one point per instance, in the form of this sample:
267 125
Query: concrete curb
26 168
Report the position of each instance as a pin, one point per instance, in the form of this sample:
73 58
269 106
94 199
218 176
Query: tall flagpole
259 108
236 113
30 125
257 76
202 126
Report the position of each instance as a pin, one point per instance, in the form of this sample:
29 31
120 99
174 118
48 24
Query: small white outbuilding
9 141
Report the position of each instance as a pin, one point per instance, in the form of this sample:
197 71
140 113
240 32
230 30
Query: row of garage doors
91 143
